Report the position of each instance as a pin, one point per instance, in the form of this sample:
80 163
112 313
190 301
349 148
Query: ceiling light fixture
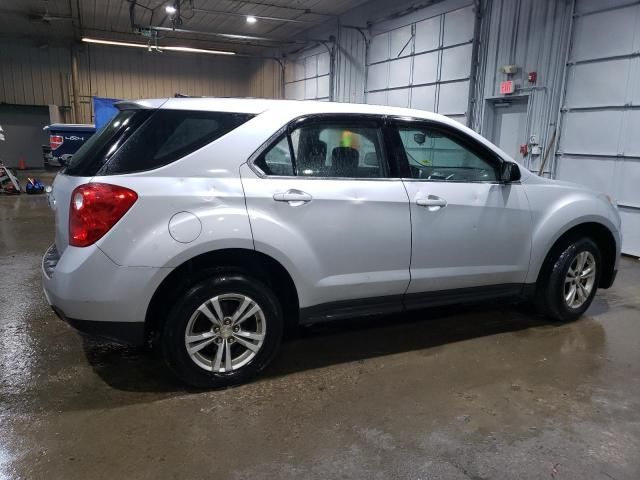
198 50
251 19
160 49
170 9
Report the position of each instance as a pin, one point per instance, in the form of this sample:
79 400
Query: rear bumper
96 296
122 332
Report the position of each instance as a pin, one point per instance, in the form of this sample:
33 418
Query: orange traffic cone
21 164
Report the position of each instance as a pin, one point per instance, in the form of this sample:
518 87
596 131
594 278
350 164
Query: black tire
173 345
549 298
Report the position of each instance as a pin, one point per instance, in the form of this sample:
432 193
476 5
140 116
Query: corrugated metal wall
351 66
41 76
534 35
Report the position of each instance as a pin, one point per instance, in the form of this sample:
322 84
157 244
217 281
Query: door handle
293 197
432 202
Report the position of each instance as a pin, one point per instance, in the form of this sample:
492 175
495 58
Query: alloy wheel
225 333
580 279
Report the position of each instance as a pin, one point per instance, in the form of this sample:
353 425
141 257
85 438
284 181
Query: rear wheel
222 331
567 287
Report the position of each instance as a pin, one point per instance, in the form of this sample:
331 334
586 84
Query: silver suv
208 226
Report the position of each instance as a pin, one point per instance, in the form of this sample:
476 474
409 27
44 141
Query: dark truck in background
64 140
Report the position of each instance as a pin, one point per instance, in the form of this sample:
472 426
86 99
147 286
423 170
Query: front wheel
568 288
222 331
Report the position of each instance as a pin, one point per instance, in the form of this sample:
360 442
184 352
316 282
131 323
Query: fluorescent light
198 50
160 49
113 42
170 9
251 19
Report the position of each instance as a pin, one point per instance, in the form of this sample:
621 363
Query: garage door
600 144
306 77
425 64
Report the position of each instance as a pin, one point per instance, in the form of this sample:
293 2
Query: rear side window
333 148
150 140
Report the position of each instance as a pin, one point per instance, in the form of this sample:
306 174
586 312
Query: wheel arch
196 269
600 234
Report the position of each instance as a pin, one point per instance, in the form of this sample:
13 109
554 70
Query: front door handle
293 197
432 202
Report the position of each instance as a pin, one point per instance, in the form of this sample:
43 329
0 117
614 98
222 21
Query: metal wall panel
425 62
599 142
30 75
534 35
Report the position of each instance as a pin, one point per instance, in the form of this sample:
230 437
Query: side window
338 150
164 137
277 159
333 149
436 156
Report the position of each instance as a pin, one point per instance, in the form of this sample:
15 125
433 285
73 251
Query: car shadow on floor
139 370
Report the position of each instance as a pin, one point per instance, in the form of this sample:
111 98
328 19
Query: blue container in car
65 139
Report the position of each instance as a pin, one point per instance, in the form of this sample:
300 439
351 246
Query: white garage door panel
311 66
434 67
586 6
294 91
379 48
290 71
424 98
377 76
324 64
377 98
306 78
311 88
631 137
595 133
628 177
398 98
456 62
594 172
600 118
400 42
399 73
454 98
298 70
630 231
604 34
590 84
425 68
323 87
427 34
458 26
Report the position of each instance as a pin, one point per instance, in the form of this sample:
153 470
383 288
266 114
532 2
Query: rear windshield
139 140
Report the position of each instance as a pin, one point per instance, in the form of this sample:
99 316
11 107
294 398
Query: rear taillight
55 141
95 208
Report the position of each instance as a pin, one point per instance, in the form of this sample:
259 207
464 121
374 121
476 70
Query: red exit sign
507 87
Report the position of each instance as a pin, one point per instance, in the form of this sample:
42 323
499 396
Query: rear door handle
293 197
432 202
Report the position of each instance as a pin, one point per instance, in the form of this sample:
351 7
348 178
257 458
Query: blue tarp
104 110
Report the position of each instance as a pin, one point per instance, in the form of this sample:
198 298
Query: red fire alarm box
532 77
524 149
507 87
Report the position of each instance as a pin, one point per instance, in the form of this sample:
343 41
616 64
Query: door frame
489 117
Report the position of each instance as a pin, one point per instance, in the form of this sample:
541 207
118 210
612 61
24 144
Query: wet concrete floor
459 393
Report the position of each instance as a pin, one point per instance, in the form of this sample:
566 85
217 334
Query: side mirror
509 172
